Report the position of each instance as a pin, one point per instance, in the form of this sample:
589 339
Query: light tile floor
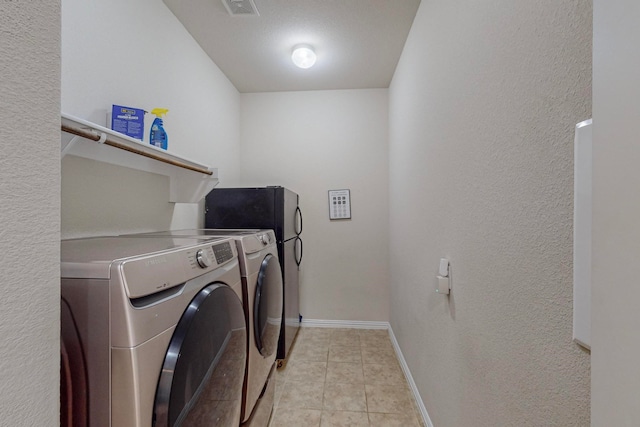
343 377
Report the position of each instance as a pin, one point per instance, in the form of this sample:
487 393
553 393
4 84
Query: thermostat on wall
339 204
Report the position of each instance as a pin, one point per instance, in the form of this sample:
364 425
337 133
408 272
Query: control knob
203 258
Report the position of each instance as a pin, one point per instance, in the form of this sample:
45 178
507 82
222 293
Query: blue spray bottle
158 136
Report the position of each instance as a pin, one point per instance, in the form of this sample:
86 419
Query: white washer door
203 370
267 308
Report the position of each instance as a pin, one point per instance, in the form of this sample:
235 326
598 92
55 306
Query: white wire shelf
190 181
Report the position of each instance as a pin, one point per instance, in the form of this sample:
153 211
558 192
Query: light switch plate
444 267
442 285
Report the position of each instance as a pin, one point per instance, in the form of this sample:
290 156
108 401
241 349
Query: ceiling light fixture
303 56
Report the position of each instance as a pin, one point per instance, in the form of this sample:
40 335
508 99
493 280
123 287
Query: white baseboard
412 384
319 323
354 324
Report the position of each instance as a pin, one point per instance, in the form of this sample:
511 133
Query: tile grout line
371 345
324 386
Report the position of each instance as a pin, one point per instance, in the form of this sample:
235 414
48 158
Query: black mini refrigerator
273 208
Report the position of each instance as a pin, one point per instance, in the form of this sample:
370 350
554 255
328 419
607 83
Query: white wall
615 375
29 212
483 106
138 54
312 142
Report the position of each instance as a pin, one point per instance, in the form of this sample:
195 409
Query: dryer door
203 370
267 308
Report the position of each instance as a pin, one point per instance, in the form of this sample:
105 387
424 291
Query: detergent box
128 120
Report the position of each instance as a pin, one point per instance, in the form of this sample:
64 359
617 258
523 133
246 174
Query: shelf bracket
69 146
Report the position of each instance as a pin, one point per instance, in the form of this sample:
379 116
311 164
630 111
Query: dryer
154 329
263 298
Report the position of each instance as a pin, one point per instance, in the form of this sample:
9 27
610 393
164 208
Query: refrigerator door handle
299 220
298 259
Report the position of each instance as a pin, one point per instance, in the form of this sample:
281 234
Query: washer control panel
223 252
203 258
213 255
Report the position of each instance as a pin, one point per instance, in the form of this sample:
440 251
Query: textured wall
138 54
482 112
29 212
317 141
615 379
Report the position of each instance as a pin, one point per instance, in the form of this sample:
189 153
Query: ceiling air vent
241 7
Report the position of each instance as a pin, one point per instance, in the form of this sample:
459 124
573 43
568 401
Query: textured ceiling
358 42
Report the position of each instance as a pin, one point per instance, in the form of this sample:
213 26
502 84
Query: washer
154 329
263 297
